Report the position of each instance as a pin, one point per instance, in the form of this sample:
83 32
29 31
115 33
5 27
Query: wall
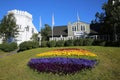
25 25
78 28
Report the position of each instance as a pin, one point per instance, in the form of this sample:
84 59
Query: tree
8 28
109 20
112 19
35 37
45 32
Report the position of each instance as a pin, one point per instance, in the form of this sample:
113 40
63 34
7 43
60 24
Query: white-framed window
83 28
27 28
74 28
32 30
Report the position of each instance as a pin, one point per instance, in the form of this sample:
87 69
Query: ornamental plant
70 60
69 52
61 65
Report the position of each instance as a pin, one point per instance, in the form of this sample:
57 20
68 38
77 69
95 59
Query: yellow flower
67 52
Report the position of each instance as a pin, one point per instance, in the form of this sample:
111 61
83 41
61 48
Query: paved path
10 53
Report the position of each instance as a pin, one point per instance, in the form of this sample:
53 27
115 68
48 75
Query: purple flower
59 64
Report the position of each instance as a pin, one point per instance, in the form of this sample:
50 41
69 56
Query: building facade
74 30
25 26
78 29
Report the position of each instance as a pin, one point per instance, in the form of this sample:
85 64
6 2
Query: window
82 28
32 30
27 28
19 26
74 28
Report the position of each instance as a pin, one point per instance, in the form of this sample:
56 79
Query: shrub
7 47
69 43
60 43
28 45
88 42
35 44
99 43
51 43
78 42
44 44
113 43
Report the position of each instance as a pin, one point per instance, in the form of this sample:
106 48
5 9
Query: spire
78 18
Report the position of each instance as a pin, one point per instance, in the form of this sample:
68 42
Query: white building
25 26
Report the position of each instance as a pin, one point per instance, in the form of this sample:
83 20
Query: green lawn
14 67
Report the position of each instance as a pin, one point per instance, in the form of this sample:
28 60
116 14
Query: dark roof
60 30
93 32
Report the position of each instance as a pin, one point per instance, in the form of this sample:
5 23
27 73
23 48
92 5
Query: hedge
60 43
51 43
7 47
28 45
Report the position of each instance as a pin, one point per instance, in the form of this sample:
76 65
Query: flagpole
40 31
52 24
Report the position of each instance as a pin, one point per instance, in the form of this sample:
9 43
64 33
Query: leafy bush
88 42
69 43
44 44
60 43
7 47
99 43
61 65
51 43
78 42
28 45
113 43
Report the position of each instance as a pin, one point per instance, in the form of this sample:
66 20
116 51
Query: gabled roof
60 30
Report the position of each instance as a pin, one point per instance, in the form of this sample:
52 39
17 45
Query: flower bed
69 52
65 64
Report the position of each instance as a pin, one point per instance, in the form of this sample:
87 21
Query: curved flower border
63 61
69 52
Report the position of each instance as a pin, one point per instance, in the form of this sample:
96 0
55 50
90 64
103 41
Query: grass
2 54
14 67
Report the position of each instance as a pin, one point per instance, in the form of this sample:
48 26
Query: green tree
34 37
109 20
8 27
46 32
112 19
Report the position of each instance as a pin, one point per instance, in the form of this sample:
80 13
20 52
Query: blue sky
64 10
